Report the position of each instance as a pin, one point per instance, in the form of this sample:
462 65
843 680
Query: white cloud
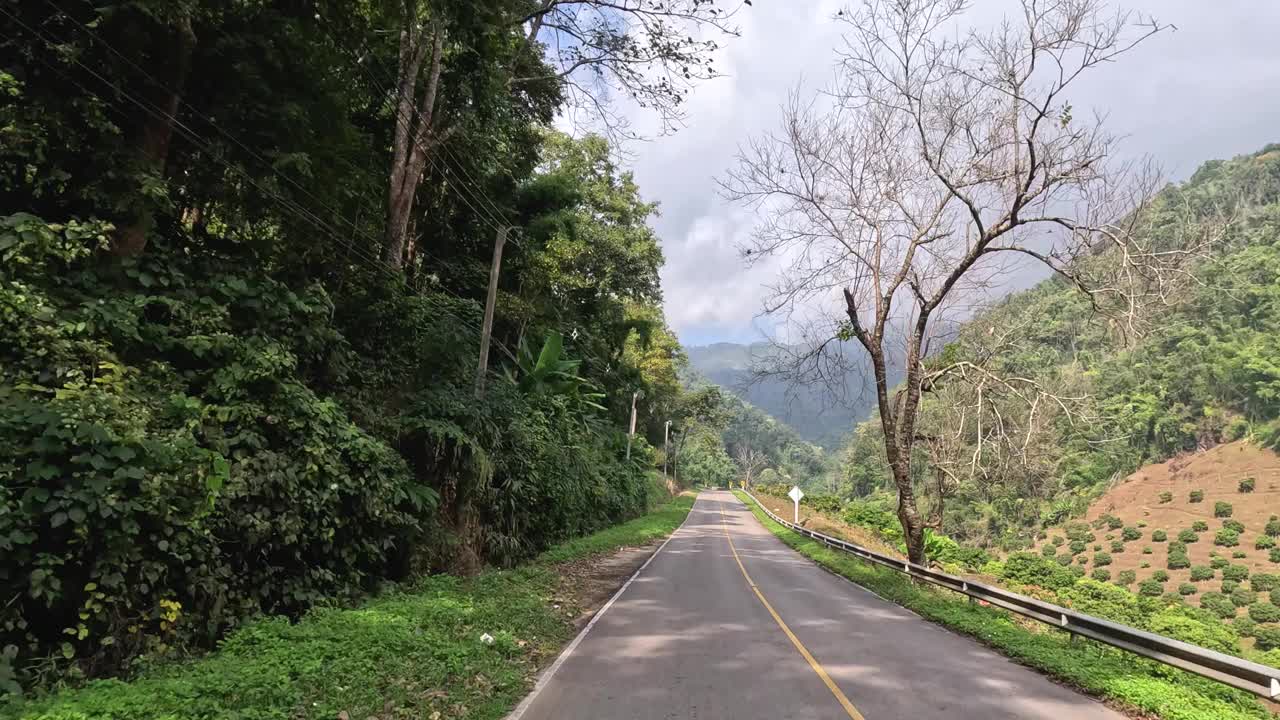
1206 90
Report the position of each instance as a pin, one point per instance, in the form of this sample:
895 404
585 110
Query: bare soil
1217 472
586 584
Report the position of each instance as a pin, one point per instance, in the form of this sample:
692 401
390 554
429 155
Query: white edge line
550 672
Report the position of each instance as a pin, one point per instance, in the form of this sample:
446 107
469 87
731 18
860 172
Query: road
690 637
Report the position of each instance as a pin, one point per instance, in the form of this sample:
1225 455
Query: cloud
1206 90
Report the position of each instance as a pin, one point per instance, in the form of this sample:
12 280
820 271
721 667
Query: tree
750 462
938 160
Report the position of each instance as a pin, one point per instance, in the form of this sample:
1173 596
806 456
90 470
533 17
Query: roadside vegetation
413 651
1130 682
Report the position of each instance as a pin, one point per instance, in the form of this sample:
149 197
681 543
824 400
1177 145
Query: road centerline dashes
804 652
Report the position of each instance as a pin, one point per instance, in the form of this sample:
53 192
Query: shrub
1106 601
1058 540
1142 523
1130 533
1275 596
1241 597
1226 537
1101 574
1273 526
1117 546
1097 548
1179 561
1145 565
1233 525
1188 536
1268 636
1195 626
1222 509
1177 546
1264 542
1166 497
1229 586
1160 576
1079 531
1082 559
1196 496
1264 612
1246 485
1150 588
1244 625
1218 604
1048 551
1274 555
1126 577
1200 573
1077 546
1101 558
1239 554
1262 582
1146 550
1187 589
1217 563
1159 535
1113 522
1077 571
1029 569
1200 526
1235 572
1064 559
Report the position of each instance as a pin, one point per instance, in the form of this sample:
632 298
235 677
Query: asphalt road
690 637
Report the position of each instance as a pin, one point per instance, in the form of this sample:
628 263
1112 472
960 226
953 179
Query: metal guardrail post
1246 675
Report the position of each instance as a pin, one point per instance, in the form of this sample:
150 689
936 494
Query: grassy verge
1122 678
411 653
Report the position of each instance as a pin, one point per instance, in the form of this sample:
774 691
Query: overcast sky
1210 89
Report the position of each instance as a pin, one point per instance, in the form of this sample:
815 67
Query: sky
1208 89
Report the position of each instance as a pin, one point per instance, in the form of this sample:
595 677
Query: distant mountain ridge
811 410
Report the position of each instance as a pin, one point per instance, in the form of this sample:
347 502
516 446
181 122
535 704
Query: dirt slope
1218 472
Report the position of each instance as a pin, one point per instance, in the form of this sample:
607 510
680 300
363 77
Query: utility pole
632 432
486 330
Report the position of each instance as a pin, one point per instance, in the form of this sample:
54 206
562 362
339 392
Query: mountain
819 414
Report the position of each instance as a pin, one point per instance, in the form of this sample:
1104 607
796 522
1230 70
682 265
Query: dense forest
1201 370
245 250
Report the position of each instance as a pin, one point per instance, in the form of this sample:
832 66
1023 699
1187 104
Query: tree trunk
173 62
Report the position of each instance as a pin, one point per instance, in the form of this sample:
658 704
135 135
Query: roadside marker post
795 494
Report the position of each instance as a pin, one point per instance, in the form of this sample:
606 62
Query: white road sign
795 494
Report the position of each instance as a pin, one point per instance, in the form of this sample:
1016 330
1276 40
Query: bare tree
750 461
939 159
648 51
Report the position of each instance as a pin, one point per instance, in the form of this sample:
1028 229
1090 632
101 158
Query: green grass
1123 678
418 649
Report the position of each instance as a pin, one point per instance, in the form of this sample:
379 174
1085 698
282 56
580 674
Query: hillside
817 414
1176 497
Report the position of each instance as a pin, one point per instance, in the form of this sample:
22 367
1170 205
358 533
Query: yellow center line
813 663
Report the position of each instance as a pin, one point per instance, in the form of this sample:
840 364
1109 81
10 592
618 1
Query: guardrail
1239 673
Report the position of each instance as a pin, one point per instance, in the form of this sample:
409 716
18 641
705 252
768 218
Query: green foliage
1244 626
1159 536
1264 542
1166 497
1240 597
1077 547
1267 636
1239 555
1058 540
1130 534
1233 525
1222 509
1247 485
1150 588
1117 546
1264 582
1188 625
1200 526
1101 575
1111 521
1200 573
1217 563
1160 576
1127 577
1196 496
1179 561
1273 526
1235 572
1028 569
1264 612
1048 551
1229 586
1101 558
1274 555
1188 536
1218 604
1147 550
1226 537
1187 589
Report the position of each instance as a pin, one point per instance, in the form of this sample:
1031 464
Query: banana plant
552 374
